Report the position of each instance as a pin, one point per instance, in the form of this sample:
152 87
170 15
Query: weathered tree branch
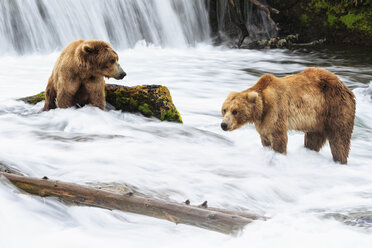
223 221
238 20
268 11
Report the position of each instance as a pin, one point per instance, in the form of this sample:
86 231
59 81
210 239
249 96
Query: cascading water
47 25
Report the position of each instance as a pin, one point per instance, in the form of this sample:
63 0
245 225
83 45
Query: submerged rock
282 42
149 100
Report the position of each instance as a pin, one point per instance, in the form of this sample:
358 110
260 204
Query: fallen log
268 10
149 100
224 221
7 169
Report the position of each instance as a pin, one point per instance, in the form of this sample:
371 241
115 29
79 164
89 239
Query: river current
310 200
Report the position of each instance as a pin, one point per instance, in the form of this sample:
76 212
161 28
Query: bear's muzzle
120 73
224 126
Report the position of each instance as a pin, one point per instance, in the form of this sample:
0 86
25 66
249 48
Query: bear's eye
234 112
224 111
112 61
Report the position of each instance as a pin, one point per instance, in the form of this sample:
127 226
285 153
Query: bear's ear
88 49
252 96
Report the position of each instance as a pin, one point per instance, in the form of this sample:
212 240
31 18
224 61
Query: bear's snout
224 126
120 73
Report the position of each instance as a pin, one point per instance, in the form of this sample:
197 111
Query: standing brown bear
78 75
314 101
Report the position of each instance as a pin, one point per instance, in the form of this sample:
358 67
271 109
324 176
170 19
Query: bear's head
101 60
241 108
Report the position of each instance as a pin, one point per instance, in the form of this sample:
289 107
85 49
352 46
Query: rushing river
310 200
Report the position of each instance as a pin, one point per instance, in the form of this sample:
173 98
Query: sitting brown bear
77 76
314 101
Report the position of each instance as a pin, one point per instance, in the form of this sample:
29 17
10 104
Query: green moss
357 22
350 19
171 115
331 20
145 110
342 15
34 99
133 103
304 20
319 4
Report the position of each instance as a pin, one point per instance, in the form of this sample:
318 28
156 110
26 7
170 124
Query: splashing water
312 201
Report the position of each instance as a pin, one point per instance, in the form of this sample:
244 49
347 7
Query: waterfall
28 26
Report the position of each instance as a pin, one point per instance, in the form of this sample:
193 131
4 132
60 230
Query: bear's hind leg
314 141
340 147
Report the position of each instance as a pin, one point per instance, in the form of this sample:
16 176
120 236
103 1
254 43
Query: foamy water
311 201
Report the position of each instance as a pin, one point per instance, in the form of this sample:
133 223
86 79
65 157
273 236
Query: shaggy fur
78 75
314 101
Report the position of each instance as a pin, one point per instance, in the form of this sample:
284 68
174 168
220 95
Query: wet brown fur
78 75
314 101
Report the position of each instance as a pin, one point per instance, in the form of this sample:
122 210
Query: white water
46 25
312 201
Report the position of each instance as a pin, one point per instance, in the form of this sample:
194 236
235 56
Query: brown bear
314 101
78 75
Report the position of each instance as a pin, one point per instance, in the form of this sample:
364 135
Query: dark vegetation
339 22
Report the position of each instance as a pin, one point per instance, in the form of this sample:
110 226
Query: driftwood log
224 221
149 100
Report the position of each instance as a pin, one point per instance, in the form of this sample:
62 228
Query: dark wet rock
360 218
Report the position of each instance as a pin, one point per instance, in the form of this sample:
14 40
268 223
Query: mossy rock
149 100
34 99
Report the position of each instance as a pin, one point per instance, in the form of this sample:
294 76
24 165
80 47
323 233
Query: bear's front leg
279 139
65 99
98 100
66 91
265 140
96 92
